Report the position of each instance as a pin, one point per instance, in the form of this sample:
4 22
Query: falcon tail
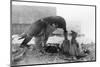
24 35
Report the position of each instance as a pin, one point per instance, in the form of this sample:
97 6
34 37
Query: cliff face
28 14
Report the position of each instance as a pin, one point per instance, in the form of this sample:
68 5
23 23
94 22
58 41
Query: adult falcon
43 28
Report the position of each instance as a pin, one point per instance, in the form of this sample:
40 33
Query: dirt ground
33 56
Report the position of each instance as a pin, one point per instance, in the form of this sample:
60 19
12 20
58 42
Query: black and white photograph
52 33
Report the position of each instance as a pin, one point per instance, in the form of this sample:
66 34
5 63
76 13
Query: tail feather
23 36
